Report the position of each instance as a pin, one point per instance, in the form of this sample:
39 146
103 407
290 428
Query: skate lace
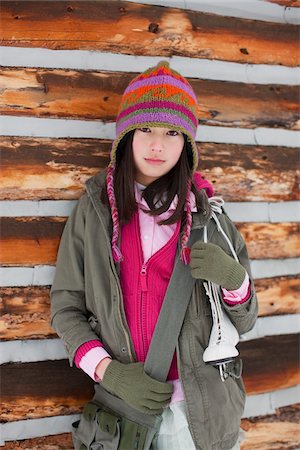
213 290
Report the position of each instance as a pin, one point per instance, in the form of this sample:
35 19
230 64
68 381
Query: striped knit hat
158 97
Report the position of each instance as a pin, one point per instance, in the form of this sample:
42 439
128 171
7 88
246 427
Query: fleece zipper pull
144 279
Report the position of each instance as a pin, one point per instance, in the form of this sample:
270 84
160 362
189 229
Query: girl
116 258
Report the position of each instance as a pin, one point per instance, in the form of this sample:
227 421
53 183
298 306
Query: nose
156 144
155 149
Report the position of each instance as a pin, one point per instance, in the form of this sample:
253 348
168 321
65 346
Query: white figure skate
224 336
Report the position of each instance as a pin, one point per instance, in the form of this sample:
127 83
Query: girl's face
155 152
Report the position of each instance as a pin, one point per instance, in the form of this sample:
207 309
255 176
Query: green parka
86 304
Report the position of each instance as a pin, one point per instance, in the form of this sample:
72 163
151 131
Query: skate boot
224 336
222 342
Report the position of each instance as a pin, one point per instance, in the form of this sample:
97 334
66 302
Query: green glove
209 262
131 383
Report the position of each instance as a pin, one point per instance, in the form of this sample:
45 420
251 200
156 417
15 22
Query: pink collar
138 188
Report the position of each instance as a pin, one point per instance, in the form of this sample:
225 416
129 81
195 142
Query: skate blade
218 362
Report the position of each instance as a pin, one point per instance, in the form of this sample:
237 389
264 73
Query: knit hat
158 97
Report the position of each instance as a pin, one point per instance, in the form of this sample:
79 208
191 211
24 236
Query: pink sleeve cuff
91 359
84 348
240 295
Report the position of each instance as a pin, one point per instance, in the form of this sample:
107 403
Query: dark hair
162 190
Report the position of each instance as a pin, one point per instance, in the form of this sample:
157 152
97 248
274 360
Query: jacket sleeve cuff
84 348
240 295
91 359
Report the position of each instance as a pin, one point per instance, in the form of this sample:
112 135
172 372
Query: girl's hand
101 367
135 387
209 262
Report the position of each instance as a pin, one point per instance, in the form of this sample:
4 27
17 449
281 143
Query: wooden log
37 241
25 311
278 431
287 3
271 240
51 388
57 442
96 95
28 241
270 363
148 30
262 172
278 295
50 169
43 168
48 388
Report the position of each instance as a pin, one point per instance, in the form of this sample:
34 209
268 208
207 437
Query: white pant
174 432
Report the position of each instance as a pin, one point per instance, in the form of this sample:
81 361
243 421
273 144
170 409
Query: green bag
108 423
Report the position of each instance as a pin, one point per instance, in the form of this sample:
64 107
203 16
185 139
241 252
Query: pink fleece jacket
153 238
144 283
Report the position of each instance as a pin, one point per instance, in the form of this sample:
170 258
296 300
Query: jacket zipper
144 288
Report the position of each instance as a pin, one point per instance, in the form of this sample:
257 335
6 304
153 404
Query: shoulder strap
172 314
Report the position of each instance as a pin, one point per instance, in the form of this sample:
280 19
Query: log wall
65 67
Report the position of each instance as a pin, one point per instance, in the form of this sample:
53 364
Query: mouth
155 162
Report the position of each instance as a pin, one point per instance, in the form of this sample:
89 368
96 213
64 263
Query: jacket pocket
97 430
226 402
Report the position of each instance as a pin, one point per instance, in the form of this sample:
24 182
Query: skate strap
216 204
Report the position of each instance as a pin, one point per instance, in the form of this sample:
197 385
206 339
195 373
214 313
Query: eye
144 129
173 133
